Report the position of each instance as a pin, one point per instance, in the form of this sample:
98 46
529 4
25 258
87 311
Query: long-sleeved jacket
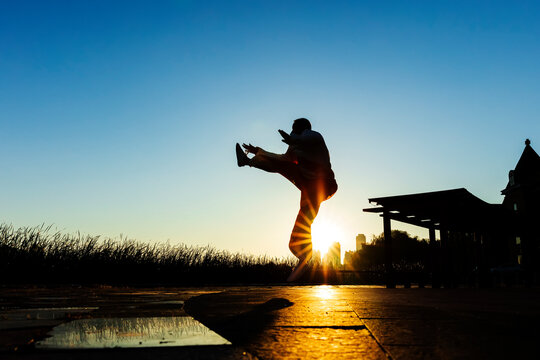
309 149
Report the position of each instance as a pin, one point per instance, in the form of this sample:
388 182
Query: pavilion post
482 279
389 269
445 256
433 259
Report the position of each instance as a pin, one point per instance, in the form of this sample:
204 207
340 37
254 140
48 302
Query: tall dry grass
42 255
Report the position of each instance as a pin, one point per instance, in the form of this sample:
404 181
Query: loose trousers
313 193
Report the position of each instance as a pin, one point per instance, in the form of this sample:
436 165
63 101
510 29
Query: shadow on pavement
240 327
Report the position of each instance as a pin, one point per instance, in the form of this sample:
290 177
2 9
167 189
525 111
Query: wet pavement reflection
131 333
297 322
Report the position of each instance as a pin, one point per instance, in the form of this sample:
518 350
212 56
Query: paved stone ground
28 314
296 322
373 323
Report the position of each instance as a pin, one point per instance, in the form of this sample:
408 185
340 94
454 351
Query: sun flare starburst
323 234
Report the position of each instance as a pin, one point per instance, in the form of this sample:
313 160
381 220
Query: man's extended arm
306 137
286 137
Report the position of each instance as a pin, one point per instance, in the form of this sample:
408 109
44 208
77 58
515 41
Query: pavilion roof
455 209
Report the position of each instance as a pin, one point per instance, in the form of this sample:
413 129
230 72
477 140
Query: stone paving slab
288 323
453 323
293 322
316 343
28 314
350 322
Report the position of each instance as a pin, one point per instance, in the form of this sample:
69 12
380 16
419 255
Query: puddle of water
131 333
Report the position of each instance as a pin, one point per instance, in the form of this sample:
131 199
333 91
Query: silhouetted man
306 163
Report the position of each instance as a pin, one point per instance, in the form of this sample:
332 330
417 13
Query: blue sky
121 117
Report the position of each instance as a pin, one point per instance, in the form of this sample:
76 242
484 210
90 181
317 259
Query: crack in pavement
386 352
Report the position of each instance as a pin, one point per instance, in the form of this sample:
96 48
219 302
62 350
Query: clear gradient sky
120 117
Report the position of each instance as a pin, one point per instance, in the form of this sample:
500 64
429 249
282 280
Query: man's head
299 125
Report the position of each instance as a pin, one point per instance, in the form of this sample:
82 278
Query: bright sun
323 234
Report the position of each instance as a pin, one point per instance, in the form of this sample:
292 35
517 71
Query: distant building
333 256
360 241
348 259
522 196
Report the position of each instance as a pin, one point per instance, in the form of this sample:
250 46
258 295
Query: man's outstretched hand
250 148
286 137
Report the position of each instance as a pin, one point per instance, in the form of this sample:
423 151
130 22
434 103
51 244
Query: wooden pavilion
475 236
466 224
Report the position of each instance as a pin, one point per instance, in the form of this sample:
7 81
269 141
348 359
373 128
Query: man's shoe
241 156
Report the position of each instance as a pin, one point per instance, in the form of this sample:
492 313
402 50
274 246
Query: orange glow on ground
325 292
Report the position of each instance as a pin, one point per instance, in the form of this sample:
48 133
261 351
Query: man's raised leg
270 162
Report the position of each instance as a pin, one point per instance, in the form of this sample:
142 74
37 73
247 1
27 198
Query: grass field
41 255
